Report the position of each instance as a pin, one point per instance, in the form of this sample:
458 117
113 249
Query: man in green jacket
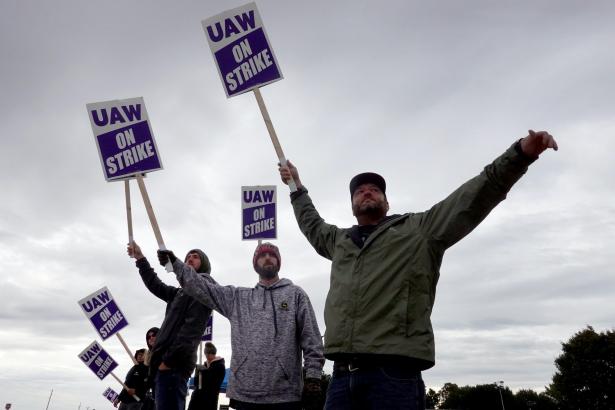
384 273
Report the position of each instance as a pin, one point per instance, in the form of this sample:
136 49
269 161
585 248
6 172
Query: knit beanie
264 248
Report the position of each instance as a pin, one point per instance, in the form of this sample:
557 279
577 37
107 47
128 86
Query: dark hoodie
184 321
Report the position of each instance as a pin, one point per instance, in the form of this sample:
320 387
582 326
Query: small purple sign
110 394
98 360
209 329
124 138
104 314
258 212
239 43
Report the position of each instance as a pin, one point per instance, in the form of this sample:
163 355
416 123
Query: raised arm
320 234
149 277
457 215
201 286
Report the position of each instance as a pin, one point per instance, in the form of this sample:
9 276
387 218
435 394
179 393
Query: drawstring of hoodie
275 318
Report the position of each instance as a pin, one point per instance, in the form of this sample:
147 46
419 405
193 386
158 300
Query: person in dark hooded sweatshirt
272 325
173 356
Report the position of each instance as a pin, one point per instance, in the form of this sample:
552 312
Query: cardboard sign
240 46
110 394
259 212
98 360
124 138
104 314
209 329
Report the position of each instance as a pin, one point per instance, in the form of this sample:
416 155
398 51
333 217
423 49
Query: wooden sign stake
152 218
273 135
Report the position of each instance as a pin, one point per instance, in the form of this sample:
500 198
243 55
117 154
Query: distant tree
480 397
432 399
585 376
450 394
529 399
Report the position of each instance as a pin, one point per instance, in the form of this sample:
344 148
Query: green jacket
381 295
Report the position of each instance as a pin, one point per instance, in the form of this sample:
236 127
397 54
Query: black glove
165 256
312 394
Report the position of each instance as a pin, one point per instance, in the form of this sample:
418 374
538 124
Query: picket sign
245 59
152 219
110 395
101 363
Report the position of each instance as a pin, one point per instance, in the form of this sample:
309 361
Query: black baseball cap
367 178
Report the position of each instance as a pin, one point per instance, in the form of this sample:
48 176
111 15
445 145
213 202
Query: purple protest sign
110 394
209 330
258 205
239 43
124 138
98 360
104 314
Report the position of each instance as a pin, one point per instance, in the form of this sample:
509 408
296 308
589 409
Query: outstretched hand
287 171
537 142
134 251
165 257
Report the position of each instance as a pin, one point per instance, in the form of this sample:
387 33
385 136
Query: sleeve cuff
299 192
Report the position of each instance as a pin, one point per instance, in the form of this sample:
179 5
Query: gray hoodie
270 328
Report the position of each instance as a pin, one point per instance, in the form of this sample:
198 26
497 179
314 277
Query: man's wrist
300 191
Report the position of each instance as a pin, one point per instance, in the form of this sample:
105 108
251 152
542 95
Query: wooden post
128 210
272 134
132 357
152 218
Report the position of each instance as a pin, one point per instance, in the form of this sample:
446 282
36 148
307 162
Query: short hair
210 348
141 351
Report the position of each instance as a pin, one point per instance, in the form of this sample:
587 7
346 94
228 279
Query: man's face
151 339
193 259
140 357
369 199
267 264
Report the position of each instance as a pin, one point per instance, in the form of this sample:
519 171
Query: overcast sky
425 93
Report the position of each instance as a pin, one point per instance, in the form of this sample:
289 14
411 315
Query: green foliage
487 397
585 376
432 399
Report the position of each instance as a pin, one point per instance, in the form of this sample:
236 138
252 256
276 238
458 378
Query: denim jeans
239 405
171 390
376 388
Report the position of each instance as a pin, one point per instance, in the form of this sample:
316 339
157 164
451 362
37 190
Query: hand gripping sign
127 149
105 315
100 363
258 205
245 59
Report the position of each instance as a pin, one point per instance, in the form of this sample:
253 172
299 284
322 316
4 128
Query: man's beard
374 209
267 272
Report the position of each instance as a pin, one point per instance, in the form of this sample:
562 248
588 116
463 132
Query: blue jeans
171 390
375 388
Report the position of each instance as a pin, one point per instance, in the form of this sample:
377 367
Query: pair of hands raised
164 257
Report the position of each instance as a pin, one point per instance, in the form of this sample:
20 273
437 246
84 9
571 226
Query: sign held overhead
258 205
124 137
241 48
